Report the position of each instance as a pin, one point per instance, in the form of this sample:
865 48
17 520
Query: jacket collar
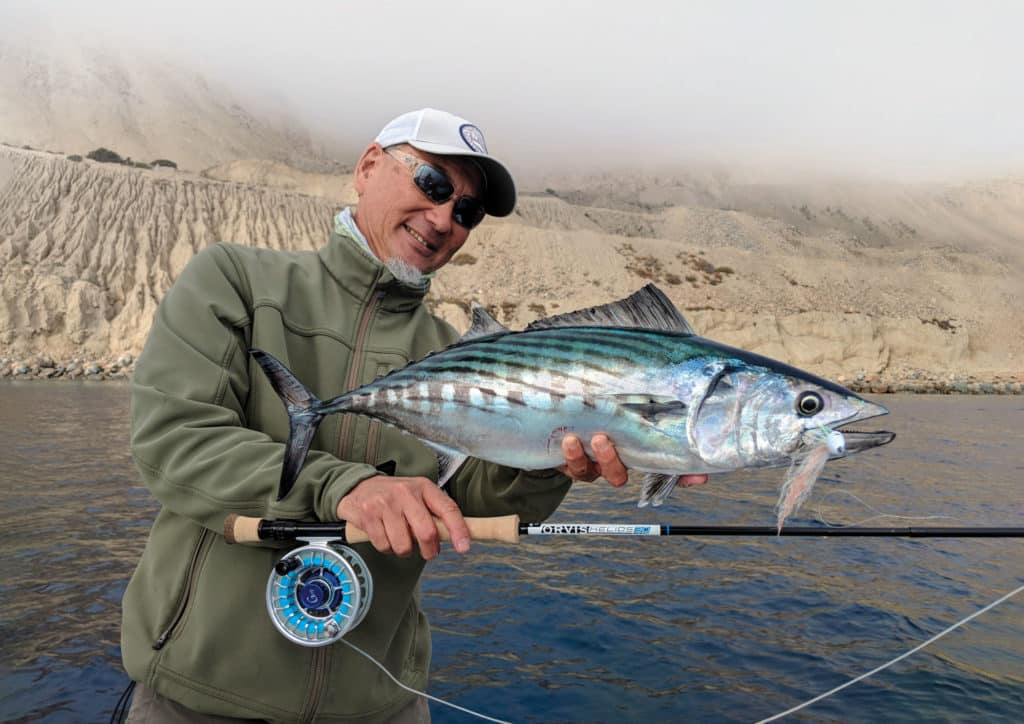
358 271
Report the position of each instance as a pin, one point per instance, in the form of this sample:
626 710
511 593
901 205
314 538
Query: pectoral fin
449 461
653 408
447 465
656 488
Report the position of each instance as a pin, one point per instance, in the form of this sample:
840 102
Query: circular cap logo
473 137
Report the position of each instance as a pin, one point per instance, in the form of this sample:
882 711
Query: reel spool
318 593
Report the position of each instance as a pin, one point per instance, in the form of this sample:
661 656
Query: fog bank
910 90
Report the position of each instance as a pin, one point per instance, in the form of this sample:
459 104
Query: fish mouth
855 441
858 440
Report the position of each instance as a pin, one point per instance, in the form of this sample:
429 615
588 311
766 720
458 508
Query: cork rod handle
243 529
502 528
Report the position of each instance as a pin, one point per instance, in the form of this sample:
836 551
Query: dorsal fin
482 324
648 308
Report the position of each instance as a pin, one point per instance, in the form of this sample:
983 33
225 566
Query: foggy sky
908 89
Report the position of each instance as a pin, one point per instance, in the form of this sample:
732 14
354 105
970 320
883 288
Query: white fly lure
823 445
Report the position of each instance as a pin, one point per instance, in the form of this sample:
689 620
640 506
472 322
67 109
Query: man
207 434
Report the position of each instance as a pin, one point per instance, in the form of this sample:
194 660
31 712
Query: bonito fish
670 401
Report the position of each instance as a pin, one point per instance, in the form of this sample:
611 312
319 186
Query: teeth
417 237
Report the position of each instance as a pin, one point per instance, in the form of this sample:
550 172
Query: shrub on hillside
104 155
165 162
74 157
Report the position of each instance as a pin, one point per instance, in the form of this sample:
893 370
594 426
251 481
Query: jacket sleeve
482 489
189 436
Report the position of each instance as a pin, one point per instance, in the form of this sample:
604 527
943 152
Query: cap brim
500 198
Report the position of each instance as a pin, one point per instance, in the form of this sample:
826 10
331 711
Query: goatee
405 272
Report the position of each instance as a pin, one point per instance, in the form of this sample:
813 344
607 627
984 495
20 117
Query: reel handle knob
286 565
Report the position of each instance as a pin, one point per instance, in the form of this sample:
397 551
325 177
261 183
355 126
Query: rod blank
642 530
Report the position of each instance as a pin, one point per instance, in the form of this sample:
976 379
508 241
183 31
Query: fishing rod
508 529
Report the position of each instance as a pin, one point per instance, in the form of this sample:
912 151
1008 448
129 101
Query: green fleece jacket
208 436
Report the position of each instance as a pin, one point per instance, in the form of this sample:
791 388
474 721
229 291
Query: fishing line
886 665
420 693
878 513
741 496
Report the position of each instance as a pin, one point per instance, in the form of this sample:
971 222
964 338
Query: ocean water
589 630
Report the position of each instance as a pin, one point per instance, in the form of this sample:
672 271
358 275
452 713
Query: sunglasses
436 186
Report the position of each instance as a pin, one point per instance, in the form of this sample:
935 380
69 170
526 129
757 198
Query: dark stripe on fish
600 357
503 361
611 347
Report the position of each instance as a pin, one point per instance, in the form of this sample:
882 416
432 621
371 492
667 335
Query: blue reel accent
322 598
320 593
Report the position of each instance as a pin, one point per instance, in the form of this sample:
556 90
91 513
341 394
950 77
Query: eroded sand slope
843 280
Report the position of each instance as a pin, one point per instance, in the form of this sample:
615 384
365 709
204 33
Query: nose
440 216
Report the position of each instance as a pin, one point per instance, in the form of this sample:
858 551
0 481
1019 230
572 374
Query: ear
367 164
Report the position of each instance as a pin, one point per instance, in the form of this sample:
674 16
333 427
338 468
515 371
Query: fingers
375 531
399 541
443 507
577 465
608 461
688 481
397 513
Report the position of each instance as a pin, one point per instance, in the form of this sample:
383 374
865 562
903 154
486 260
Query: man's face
397 219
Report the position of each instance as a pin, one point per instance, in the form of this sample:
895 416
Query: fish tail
305 411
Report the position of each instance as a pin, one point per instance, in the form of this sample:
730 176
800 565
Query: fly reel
318 593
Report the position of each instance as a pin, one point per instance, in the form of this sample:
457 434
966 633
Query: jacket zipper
319 663
186 595
362 331
316 685
373 436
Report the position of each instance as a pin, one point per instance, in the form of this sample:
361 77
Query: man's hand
579 467
393 511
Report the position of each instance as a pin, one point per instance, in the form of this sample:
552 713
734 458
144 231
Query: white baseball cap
444 134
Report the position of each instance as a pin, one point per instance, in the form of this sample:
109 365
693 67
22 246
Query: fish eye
809 403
